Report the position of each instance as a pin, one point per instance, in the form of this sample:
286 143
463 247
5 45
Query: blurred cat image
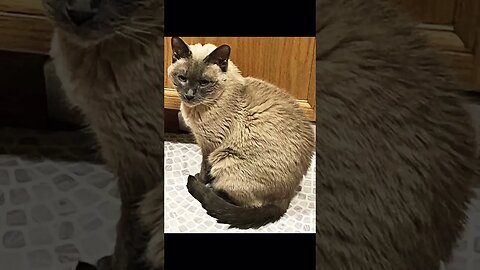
395 149
109 57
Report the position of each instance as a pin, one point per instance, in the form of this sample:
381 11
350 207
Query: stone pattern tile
184 214
52 213
466 255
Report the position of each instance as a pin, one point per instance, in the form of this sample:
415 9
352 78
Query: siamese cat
109 58
255 140
395 156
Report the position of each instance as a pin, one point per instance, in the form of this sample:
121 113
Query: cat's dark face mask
95 20
197 81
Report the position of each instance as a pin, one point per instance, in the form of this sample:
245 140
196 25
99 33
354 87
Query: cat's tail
225 212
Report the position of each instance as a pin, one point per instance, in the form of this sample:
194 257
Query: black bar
240 251
213 18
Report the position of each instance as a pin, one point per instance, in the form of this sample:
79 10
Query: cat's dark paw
204 178
193 186
201 178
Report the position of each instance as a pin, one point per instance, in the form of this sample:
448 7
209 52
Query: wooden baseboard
458 57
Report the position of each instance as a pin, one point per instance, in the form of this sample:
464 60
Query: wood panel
22 6
25 33
467 27
443 38
430 11
285 62
467 21
452 50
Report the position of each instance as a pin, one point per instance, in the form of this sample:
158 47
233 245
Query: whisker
138 36
148 29
132 38
140 30
144 24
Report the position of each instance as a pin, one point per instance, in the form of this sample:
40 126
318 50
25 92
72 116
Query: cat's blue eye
204 82
182 78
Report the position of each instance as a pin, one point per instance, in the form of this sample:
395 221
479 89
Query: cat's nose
190 94
82 11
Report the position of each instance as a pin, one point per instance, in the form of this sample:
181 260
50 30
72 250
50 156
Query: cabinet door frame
453 27
467 27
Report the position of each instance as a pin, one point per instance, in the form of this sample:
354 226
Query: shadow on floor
54 145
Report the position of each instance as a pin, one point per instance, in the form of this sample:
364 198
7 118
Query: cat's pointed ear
219 57
180 49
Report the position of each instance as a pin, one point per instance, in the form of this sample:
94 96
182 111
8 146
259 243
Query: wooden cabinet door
24 27
288 62
430 11
453 27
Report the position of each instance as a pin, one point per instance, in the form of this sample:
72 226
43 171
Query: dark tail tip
227 213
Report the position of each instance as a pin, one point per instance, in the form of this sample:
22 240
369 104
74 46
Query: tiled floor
53 210
466 255
184 214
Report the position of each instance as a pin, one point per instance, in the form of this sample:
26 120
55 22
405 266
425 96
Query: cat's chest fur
210 126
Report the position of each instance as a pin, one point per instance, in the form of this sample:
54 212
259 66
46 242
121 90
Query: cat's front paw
204 177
